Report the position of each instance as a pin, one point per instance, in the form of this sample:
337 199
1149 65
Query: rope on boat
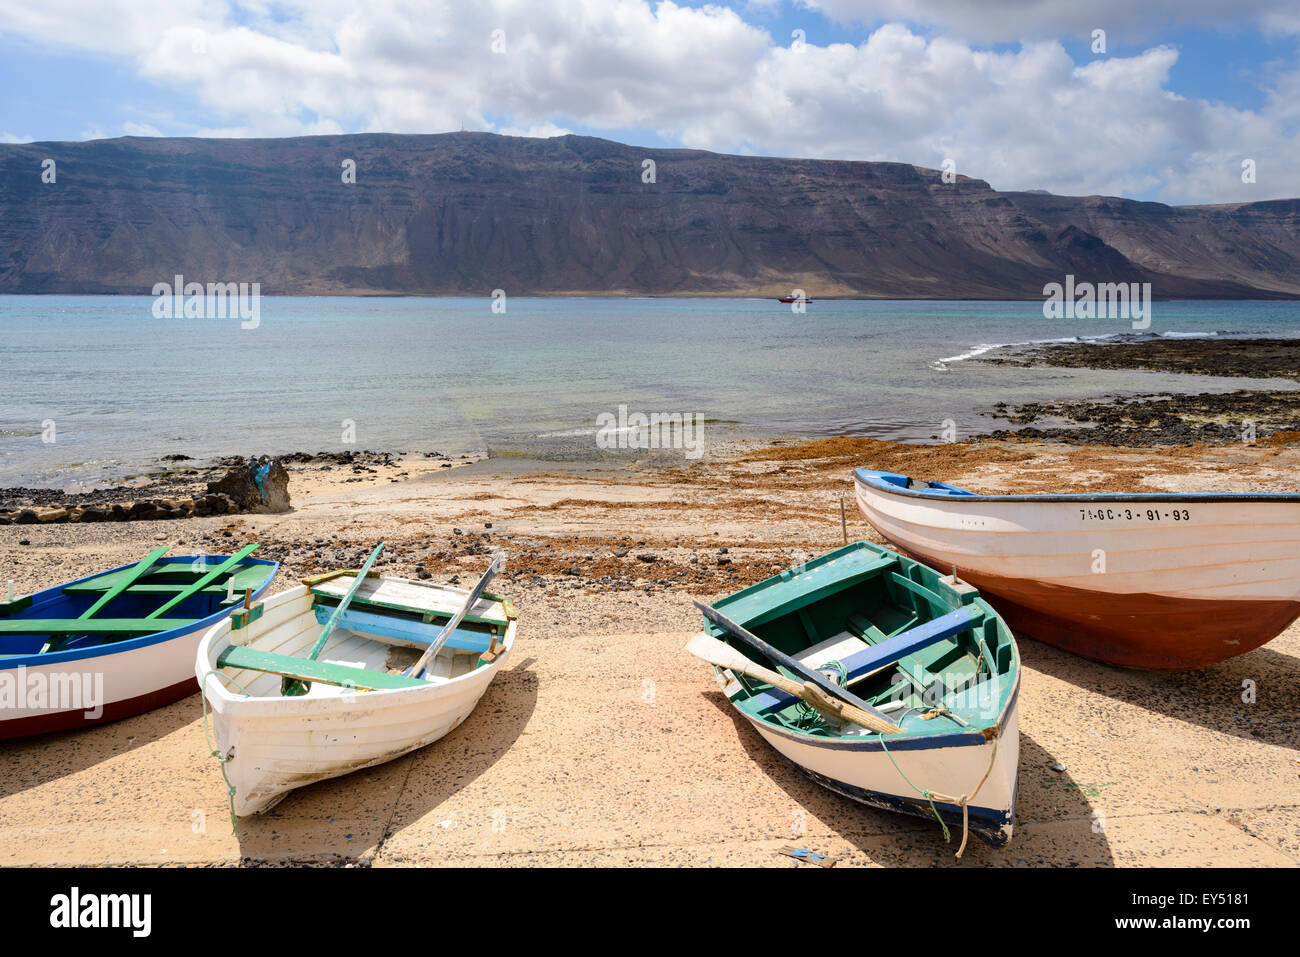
212 748
808 717
931 796
227 677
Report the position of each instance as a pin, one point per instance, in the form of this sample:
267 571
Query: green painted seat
309 669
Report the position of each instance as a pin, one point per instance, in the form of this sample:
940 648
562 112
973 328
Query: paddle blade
708 648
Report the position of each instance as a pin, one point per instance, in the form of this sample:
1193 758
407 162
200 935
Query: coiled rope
808 718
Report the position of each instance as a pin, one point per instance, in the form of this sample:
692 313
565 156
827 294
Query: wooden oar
204 581
417 670
720 653
292 687
781 658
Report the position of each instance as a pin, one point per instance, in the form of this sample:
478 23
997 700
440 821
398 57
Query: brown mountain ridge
467 213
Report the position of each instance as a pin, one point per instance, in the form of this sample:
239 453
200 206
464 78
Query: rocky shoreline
222 487
1151 420
1211 356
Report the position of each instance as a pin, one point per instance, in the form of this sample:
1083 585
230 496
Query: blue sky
1184 94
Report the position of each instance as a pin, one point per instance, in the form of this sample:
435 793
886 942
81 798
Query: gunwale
941 492
188 626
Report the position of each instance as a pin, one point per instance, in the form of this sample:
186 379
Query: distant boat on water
790 299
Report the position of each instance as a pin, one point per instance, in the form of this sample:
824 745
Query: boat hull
950 764
1096 576
99 684
274 744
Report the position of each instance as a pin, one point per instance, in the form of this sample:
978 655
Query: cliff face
466 213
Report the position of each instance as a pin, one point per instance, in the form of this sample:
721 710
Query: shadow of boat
39 759
1210 697
349 818
1045 797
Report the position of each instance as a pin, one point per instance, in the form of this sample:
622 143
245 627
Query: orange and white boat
1161 581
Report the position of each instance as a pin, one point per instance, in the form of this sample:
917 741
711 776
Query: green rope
227 677
221 758
809 718
925 794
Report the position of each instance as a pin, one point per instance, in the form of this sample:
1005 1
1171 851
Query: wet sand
605 743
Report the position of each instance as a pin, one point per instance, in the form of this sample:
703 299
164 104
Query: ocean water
95 388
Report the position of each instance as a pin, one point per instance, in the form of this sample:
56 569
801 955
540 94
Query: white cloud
140 129
1027 118
536 130
1015 20
7 137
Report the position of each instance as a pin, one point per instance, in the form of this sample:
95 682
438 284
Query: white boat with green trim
346 671
882 680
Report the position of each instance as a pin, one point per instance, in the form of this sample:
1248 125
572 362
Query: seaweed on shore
1145 421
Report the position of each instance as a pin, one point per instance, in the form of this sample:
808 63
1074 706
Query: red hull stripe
66 720
1157 632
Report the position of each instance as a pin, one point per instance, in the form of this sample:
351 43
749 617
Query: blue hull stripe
893 484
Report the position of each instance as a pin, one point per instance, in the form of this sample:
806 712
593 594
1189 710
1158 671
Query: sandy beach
603 742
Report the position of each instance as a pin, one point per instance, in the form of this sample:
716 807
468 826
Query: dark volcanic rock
1212 355
1145 421
257 485
471 212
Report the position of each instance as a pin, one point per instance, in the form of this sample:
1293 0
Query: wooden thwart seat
172 578
799 592
892 650
888 652
309 669
836 648
393 595
417 633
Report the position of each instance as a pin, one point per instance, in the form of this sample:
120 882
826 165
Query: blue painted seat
887 652
419 632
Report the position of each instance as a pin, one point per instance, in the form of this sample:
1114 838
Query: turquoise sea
115 388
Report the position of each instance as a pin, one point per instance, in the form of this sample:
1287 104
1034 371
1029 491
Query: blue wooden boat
120 642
